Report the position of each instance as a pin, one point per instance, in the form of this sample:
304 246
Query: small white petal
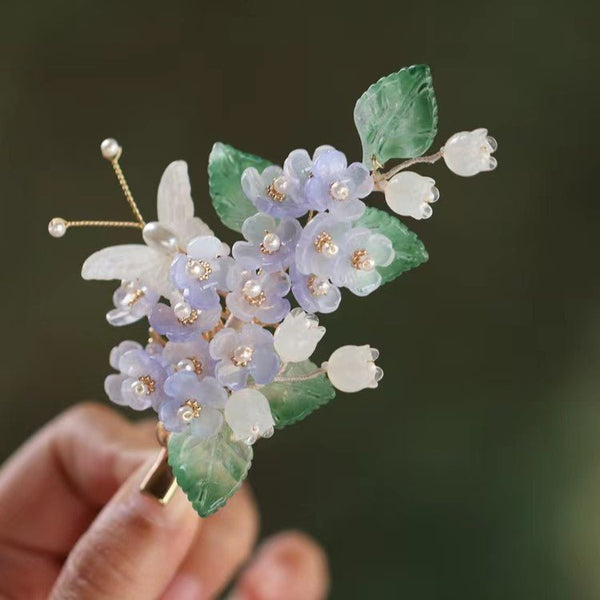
248 414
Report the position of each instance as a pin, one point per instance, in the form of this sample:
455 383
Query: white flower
175 227
297 337
469 152
352 368
248 414
410 194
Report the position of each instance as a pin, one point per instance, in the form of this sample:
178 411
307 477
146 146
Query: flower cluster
232 329
213 351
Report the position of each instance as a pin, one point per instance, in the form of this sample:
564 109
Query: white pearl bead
280 184
157 236
252 289
185 365
110 149
182 310
57 227
271 242
242 355
339 190
185 414
367 264
330 248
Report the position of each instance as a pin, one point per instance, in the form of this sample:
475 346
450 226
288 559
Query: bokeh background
474 470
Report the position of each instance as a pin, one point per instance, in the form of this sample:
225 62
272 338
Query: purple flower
193 405
269 192
245 353
314 293
297 170
193 356
132 301
270 246
139 384
258 297
202 271
319 245
337 187
164 321
356 267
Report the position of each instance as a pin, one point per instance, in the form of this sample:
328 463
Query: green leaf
209 471
397 117
292 401
410 251
225 168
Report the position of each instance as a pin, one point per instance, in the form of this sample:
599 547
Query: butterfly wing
130 262
175 206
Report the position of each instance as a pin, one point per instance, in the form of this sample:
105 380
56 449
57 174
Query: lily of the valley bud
467 153
352 368
410 194
297 337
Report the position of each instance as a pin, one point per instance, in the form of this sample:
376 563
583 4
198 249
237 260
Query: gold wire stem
160 482
134 224
128 195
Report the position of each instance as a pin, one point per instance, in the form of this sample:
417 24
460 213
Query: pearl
339 190
139 388
185 413
368 264
271 243
182 310
157 236
110 149
57 227
185 365
242 355
280 184
330 248
252 289
426 211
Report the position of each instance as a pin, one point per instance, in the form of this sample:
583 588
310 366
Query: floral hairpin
227 361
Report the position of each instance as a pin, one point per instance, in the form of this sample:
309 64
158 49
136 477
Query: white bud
352 368
467 153
248 414
297 337
409 194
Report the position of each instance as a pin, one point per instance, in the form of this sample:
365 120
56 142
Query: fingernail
184 587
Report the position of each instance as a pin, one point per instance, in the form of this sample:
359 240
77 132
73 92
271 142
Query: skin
73 525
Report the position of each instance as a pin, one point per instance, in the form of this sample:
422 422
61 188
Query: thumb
132 549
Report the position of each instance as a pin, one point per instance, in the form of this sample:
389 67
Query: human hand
74 526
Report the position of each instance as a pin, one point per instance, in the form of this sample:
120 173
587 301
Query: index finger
53 487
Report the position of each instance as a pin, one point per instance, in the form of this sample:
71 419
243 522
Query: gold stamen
191 319
358 259
255 300
136 296
149 383
274 194
322 239
193 404
197 365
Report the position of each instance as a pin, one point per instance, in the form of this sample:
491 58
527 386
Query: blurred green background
474 470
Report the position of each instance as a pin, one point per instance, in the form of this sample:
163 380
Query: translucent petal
330 165
112 387
248 414
117 352
361 180
235 378
207 424
205 247
254 228
264 365
174 204
223 344
183 385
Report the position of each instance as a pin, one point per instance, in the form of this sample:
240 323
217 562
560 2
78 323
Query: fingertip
288 566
